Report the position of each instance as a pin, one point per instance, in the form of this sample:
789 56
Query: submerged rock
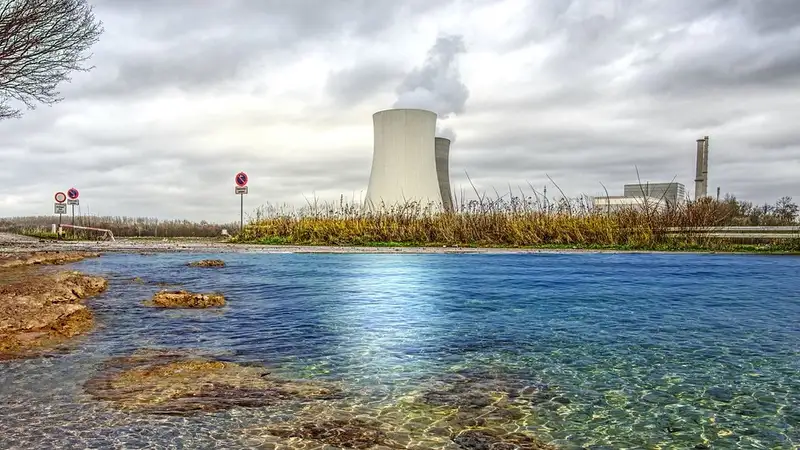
345 433
478 439
208 263
44 310
185 299
346 424
180 383
465 411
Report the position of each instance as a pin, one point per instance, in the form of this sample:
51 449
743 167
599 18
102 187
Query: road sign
60 208
73 194
241 190
241 179
60 197
73 202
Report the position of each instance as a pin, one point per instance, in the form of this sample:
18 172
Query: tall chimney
698 177
705 165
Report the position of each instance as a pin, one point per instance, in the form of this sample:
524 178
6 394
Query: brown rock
353 433
10 260
208 263
478 439
184 299
43 310
182 384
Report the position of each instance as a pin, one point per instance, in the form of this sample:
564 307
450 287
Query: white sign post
60 208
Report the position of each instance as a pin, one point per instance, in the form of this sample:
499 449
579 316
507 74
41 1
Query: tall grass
504 221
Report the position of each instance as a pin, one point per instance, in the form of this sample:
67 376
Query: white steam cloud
436 85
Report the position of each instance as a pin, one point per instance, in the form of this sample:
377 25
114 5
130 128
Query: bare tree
41 43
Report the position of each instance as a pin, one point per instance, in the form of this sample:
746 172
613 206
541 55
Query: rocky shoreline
43 309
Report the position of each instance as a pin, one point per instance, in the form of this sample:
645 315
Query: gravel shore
15 243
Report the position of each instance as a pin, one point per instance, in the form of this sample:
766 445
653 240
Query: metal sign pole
73 220
58 230
241 189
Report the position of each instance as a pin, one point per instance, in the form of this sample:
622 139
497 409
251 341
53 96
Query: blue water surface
642 350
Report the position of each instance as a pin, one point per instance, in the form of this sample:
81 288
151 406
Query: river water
635 350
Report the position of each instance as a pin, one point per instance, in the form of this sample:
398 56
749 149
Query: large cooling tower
403 161
443 171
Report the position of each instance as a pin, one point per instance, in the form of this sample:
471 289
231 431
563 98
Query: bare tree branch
41 43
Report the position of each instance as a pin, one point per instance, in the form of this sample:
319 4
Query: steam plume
437 85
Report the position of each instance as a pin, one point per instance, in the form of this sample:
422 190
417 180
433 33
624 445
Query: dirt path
14 243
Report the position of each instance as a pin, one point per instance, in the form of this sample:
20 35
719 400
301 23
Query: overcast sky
186 93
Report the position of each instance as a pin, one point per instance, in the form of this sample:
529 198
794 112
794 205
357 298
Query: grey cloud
582 121
355 84
771 16
195 48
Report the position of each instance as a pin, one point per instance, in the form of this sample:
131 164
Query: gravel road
15 243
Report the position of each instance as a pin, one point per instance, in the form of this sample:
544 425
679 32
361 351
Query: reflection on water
584 351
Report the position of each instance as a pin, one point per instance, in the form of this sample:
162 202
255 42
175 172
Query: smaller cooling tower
443 172
403 161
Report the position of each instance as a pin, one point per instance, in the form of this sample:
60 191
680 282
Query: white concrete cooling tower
443 171
403 160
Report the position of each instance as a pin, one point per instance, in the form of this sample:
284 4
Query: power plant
409 164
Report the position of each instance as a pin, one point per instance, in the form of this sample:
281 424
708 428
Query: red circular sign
61 197
241 179
73 194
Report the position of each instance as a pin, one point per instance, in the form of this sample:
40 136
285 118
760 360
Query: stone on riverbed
471 410
182 384
343 433
185 299
208 263
477 439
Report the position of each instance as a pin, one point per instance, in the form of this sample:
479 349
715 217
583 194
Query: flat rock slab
42 310
177 383
207 263
185 299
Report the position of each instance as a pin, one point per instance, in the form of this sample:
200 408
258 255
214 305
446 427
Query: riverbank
15 244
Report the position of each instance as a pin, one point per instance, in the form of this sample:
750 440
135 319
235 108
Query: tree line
743 213
123 226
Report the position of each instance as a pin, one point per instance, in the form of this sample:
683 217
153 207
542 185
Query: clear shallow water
638 351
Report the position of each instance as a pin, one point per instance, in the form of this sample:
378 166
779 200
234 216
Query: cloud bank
181 99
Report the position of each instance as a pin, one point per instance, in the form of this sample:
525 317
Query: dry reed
501 222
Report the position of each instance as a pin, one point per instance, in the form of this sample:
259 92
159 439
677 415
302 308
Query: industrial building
404 168
671 193
621 203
